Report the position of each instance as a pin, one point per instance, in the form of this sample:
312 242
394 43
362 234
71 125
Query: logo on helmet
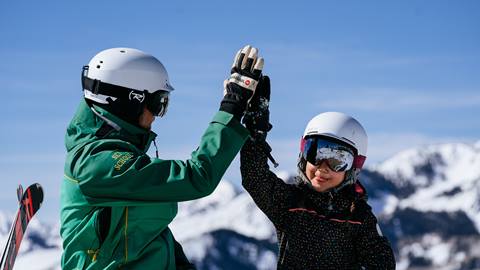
139 97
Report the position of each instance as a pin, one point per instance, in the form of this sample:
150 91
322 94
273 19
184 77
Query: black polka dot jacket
315 230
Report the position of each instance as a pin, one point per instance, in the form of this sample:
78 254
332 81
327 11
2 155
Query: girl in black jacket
323 221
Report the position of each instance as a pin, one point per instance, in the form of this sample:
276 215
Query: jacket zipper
283 254
330 198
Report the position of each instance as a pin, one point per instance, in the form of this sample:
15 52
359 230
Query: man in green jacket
116 201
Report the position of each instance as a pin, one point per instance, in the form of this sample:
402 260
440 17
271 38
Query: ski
29 201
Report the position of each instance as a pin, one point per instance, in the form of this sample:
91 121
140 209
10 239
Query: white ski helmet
340 127
125 72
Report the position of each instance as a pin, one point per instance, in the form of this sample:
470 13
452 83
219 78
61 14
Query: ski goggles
157 102
338 157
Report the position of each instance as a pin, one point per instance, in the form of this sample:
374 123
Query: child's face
322 177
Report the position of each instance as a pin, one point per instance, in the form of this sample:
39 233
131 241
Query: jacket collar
138 136
88 120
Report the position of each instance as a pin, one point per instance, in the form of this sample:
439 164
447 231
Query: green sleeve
112 173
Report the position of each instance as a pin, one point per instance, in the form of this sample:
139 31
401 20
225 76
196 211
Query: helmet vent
98 66
122 51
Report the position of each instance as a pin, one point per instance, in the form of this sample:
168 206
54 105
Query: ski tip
37 191
40 192
39 186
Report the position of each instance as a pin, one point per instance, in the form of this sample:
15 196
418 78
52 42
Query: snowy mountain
226 208
444 178
427 201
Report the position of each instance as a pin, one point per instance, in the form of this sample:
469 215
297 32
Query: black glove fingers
251 60
240 87
263 89
238 65
246 53
258 67
266 87
248 67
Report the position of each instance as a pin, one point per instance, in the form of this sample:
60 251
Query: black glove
257 117
240 87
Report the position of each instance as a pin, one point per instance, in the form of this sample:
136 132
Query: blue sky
408 70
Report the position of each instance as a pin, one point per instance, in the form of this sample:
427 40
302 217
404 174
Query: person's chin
319 185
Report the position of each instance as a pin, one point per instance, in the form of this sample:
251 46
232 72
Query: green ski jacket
117 202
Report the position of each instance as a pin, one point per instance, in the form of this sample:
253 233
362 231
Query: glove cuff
234 104
257 122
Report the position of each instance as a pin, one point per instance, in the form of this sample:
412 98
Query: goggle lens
157 103
338 157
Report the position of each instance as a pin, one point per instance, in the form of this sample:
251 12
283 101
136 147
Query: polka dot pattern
315 230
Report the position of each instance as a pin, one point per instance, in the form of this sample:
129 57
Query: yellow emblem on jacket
122 158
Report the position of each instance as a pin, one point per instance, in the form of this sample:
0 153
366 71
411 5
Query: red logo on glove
247 82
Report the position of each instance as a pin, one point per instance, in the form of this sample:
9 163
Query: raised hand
243 81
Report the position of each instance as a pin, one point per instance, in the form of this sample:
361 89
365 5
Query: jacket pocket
102 223
99 224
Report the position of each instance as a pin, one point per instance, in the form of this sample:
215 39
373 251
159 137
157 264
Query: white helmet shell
339 126
129 68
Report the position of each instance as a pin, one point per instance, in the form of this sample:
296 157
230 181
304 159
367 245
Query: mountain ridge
427 201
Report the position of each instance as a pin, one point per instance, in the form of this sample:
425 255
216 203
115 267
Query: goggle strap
302 144
358 161
106 89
